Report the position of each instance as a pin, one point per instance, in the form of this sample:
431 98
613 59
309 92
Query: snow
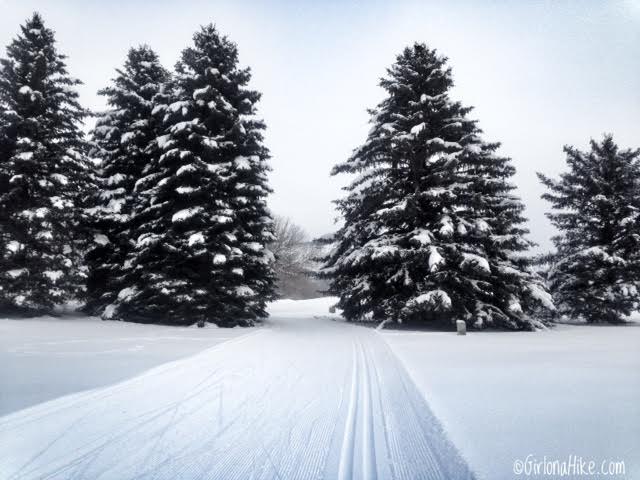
126 293
13 246
182 126
571 390
209 142
542 296
26 90
185 169
185 214
482 226
435 259
53 275
127 137
116 179
196 239
100 239
268 404
475 261
24 155
434 297
182 105
384 251
242 163
254 246
201 92
444 143
447 227
164 141
245 291
17 272
310 396
61 179
423 237
59 202
45 358
219 259
418 128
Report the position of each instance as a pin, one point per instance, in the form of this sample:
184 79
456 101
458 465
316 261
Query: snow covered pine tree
43 174
595 270
124 143
200 244
432 229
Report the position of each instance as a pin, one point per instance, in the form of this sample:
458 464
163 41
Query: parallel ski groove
368 443
345 469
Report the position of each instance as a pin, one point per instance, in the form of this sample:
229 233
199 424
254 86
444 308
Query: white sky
541 74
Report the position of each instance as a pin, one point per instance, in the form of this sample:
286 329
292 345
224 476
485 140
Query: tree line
160 214
434 231
171 225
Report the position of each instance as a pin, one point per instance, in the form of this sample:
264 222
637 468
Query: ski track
301 398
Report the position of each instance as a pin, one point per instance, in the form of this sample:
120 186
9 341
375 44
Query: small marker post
461 327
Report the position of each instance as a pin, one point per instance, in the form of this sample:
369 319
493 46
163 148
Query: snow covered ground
502 396
308 396
45 358
301 398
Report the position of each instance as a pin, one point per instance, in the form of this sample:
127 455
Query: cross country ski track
300 398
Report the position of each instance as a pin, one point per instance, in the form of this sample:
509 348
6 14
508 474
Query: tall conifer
124 141
200 252
433 230
595 271
44 175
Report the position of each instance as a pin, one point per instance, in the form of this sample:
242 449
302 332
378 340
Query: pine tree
200 247
595 270
432 228
124 143
43 175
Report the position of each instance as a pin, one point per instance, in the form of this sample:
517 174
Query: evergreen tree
432 228
200 245
124 143
43 175
595 270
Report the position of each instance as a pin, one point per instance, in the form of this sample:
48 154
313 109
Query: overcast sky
541 74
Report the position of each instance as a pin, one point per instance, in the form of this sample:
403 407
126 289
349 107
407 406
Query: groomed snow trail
301 398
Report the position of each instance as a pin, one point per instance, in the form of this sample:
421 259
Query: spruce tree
200 250
123 139
594 273
43 175
433 231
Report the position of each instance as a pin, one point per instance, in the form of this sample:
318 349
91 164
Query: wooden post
461 326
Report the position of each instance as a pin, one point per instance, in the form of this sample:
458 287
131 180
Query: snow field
45 358
305 397
308 396
572 390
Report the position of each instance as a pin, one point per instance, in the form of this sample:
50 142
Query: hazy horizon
541 74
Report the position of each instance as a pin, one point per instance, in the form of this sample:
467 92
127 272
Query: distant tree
200 246
433 231
44 174
295 263
124 139
290 247
595 270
